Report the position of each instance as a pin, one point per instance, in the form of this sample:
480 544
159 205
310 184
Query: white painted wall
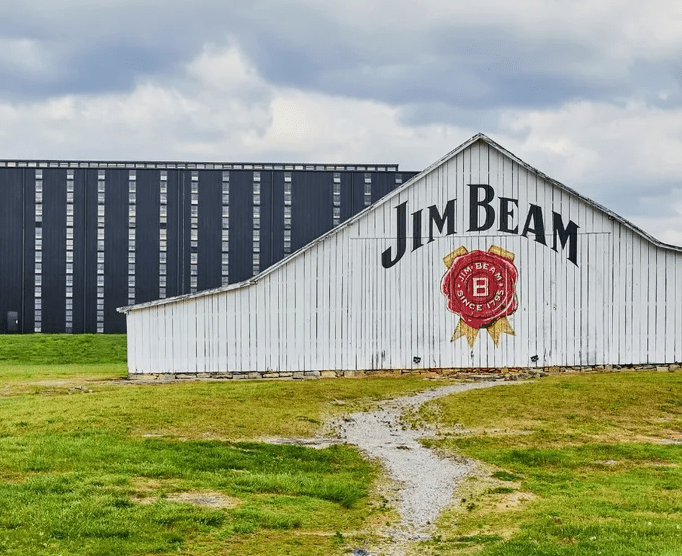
333 305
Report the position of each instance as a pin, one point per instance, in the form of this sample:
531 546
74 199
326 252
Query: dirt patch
144 500
513 501
461 431
482 490
144 484
206 499
319 443
148 491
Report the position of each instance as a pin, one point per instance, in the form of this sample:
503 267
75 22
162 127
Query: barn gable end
479 261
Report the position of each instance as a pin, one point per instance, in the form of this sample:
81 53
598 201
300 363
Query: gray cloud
636 199
480 65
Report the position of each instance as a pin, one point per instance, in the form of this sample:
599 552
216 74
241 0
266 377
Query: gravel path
426 481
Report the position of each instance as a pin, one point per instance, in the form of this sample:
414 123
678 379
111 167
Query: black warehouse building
80 239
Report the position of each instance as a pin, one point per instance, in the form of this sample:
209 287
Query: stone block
328 374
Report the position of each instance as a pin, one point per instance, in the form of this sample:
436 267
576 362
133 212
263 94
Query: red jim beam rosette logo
480 287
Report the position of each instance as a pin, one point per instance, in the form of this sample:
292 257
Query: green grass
90 466
62 349
83 494
36 358
198 410
21 377
582 467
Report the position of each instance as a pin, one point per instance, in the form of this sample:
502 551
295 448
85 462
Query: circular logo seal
480 287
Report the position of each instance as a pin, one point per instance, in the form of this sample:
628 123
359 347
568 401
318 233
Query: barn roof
387 198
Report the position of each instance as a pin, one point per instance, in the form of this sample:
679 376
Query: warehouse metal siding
276 217
27 307
88 259
147 237
115 247
241 225
18 225
54 251
184 230
311 208
346 186
80 241
11 244
174 238
210 203
267 237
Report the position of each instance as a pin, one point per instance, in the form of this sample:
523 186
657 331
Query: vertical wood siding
334 306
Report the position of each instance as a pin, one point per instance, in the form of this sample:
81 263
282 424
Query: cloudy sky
589 92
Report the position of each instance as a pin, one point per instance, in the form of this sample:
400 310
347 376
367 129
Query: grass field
63 349
584 465
95 466
35 359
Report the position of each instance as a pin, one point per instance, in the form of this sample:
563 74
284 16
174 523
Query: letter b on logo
481 287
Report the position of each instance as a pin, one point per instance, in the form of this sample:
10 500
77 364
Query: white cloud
587 142
206 114
224 70
339 129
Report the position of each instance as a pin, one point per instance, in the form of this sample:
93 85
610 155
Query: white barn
480 261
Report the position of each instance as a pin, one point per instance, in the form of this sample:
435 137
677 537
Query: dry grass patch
205 499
